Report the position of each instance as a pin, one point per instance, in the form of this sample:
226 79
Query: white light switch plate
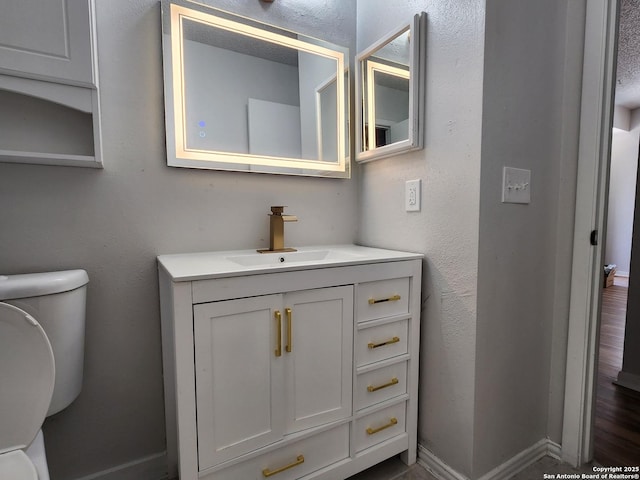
412 195
516 185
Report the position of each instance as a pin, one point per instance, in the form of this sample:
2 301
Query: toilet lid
27 374
17 466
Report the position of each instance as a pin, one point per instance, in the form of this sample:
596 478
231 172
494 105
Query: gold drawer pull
371 388
393 421
278 317
388 342
299 461
394 298
289 346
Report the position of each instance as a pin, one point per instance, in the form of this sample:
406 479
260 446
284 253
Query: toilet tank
57 300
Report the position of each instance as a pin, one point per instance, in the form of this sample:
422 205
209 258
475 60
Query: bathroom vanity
291 365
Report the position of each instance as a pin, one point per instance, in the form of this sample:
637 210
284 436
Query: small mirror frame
417 79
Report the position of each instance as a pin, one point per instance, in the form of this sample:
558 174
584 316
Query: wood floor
617 422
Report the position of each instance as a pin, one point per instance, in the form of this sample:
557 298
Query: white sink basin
206 265
259 259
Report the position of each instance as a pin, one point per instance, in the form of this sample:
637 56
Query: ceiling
628 72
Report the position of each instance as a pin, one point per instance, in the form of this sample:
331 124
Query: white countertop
186 267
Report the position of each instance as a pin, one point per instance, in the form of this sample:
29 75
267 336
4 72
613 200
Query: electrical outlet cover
412 195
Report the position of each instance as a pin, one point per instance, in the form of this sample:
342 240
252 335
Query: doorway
596 118
617 408
588 255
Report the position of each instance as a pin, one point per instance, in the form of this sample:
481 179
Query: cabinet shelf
61 159
37 130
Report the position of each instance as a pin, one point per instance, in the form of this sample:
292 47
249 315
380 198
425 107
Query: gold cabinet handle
393 381
299 461
289 346
392 421
278 317
382 344
394 298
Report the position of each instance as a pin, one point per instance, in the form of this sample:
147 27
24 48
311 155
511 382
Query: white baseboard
437 467
522 460
152 467
554 450
628 380
516 464
622 274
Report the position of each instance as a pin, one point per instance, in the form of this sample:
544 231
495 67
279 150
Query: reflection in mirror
326 95
388 104
242 95
391 93
326 104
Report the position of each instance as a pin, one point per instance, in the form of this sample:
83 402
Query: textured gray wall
496 276
622 192
446 229
113 223
530 114
631 355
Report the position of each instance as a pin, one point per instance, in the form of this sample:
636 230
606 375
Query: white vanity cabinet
291 369
269 366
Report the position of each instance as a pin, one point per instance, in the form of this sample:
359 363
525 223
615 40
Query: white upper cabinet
49 83
47 40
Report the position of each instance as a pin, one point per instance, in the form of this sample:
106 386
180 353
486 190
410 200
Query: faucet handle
277 209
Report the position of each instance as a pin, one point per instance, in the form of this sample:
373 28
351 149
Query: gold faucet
276 230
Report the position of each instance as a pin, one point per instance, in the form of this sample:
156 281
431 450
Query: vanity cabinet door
238 372
268 366
318 349
47 40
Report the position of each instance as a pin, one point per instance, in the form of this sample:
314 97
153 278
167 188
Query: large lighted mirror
390 93
246 96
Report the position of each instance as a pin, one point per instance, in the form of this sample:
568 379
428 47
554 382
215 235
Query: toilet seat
17 466
27 375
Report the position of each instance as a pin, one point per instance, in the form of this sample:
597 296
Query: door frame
596 120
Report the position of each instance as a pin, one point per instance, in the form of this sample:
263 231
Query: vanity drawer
379 426
292 461
381 384
383 298
381 342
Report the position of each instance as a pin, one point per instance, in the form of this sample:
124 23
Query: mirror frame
180 155
417 79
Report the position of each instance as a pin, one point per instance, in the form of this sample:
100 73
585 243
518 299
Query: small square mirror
390 93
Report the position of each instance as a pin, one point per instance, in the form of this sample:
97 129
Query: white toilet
42 320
